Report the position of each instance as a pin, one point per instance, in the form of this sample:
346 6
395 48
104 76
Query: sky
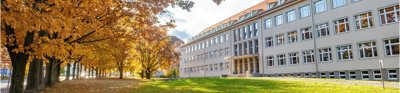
204 14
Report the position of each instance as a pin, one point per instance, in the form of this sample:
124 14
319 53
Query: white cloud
204 14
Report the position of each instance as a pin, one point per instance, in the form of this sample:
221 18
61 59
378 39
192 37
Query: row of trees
99 35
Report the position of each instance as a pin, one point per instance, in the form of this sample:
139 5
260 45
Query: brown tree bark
68 71
33 76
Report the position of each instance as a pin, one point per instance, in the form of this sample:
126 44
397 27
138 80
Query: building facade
343 39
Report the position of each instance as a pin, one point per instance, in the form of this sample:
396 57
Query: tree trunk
148 74
18 73
50 72
78 73
121 72
80 70
41 76
58 69
142 74
33 76
92 72
18 60
74 70
68 71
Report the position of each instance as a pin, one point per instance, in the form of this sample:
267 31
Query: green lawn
242 85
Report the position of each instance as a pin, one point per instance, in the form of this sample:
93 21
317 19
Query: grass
243 85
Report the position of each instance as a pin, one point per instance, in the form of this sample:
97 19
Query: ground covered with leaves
102 85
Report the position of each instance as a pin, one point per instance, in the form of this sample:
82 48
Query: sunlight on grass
235 85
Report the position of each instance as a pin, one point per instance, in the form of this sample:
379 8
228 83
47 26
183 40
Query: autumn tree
49 29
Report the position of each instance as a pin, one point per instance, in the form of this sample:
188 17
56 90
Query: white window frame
377 74
345 23
305 11
306 54
337 3
270 61
331 75
292 37
394 74
279 19
363 47
323 28
323 75
268 23
291 15
390 46
384 14
280 39
325 52
342 49
342 76
292 56
365 74
281 59
320 6
352 75
306 31
360 17
269 42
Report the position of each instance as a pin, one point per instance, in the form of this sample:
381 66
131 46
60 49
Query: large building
300 38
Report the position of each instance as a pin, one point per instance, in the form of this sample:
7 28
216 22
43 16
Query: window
342 75
279 19
308 56
291 15
323 30
270 61
342 25
269 42
281 59
392 74
221 38
216 40
320 6
211 42
227 37
250 31
306 33
352 75
226 51
364 75
367 50
268 23
221 66
294 58
331 75
389 14
338 3
292 37
377 74
392 46
344 52
280 39
322 74
255 26
305 11
325 55
244 30
363 20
